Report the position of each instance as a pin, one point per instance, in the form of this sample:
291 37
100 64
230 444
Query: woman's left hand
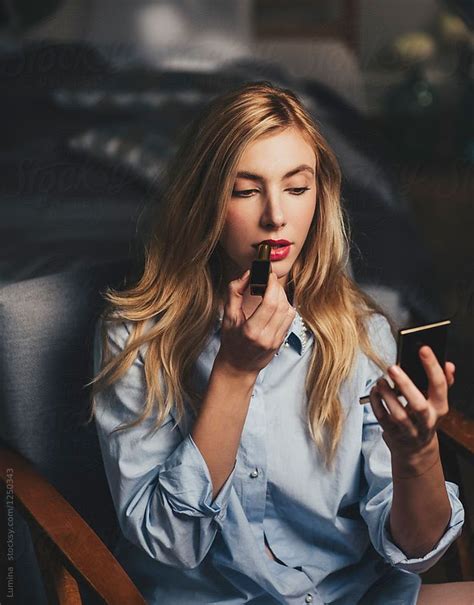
410 429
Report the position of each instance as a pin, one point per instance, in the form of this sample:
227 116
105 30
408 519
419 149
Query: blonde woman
242 467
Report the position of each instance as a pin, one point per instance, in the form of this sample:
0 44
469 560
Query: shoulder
381 340
119 330
376 322
379 330
110 338
116 332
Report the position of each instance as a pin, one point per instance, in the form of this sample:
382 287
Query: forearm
420 507
218 427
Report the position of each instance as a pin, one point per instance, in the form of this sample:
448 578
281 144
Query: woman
244 469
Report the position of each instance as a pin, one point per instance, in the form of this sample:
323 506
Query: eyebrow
255 177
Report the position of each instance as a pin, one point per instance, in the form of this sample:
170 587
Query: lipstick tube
260 270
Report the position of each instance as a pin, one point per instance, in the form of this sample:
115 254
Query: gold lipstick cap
264 251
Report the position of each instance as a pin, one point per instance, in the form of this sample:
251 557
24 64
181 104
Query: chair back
47 325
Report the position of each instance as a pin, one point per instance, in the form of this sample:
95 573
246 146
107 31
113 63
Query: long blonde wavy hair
181 284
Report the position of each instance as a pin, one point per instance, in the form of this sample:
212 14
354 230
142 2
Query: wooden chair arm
460 431
82 550
456 432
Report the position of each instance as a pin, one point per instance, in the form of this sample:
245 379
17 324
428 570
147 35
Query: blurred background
94 94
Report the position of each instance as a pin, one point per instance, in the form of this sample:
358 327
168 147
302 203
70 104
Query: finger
281 319
386 420
382 415
400 417
260 318
421 411
278 327
449 370
235 291
437 384
416 400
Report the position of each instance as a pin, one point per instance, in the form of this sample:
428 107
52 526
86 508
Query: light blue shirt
329 529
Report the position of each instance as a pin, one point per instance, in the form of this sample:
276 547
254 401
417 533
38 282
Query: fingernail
394 369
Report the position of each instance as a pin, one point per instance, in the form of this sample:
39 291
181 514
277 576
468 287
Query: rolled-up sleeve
397 557
159 481
185 479
376 500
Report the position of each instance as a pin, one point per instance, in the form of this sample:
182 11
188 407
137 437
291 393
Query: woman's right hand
249 344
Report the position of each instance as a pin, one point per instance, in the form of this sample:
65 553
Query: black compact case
410 340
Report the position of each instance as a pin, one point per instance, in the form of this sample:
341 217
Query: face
270 200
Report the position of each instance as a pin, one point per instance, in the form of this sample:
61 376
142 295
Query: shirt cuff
187 483
397 557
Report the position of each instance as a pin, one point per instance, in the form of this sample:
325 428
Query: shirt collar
296 332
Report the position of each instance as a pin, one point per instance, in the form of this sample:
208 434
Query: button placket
254 455
308 598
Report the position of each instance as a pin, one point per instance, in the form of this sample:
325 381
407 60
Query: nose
273 214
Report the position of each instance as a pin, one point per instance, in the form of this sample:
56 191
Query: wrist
418 462
223 367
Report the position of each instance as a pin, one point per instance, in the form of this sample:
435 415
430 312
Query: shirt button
254 474
308 598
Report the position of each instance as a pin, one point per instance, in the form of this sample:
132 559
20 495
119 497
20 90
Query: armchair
67 549
50 463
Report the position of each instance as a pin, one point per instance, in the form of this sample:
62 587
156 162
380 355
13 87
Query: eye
300 189
244 192
247 192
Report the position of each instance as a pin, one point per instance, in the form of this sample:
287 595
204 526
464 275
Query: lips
275 243
280 248
279 253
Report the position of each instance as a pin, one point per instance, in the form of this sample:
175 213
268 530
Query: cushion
47 328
